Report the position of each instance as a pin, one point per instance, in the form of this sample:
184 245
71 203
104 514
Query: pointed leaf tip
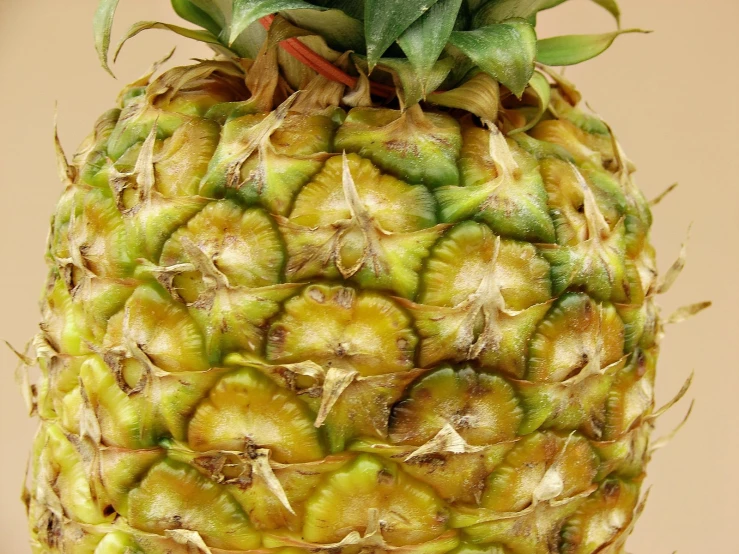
574 49
384 22
501 10
136 28
188 11
505 51
612 7
424 41
246 12
102 25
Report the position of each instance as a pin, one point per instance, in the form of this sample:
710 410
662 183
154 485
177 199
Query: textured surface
706 196
415 376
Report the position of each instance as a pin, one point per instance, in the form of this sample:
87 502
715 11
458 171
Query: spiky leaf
190 12
424 41
384 22
612 8
505 51
102 24
246 12
341 31
501 10
218 10
574 49
136 28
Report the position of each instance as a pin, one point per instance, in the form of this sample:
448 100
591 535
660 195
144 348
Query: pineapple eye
364 332
482 408
259 413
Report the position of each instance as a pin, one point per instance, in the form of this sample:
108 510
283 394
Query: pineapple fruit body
330 329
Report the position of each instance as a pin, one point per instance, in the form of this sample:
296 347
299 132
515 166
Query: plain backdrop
670 97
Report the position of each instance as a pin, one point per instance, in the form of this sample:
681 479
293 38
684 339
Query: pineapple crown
416 47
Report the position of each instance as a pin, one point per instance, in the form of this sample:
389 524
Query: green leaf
612 8
505 51
610 5
500 10
218 10
424 41
479 95
551 4
246 12
385 21
540 86
463 66
190 12
195 34
414 90
353 8
340 31
102 25
573 49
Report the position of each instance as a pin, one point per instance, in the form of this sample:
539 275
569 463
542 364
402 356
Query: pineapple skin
318 329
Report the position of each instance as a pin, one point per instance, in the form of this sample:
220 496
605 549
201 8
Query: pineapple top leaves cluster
288 314
419 46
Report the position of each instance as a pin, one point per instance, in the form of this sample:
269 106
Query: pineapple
369 280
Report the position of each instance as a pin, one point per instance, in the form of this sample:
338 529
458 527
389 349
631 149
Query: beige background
671 98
